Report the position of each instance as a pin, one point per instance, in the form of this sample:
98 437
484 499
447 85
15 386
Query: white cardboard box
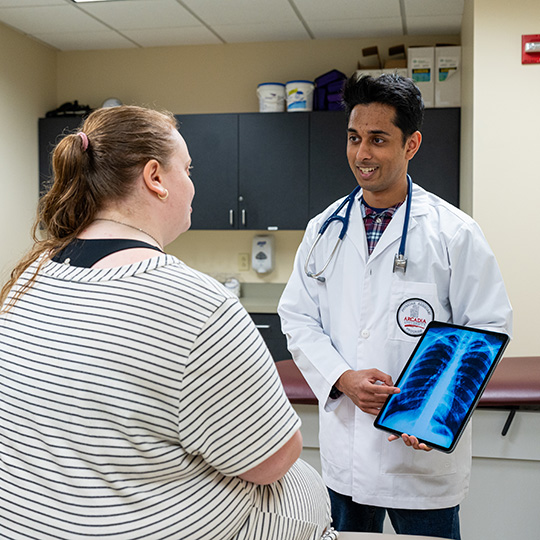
400 71
371 72
421 66
448 76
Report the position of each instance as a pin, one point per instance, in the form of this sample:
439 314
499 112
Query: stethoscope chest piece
400 263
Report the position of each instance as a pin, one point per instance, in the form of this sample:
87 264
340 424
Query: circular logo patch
414 315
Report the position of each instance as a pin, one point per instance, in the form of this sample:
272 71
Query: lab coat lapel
357 232
391 237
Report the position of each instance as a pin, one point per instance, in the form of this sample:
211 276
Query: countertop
261 297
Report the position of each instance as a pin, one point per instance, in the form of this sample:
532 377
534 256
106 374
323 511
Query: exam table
506 450
515 384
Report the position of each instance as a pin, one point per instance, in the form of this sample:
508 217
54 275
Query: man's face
377 155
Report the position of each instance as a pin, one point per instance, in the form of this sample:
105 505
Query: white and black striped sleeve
233 410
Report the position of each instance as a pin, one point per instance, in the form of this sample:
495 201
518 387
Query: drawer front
269 325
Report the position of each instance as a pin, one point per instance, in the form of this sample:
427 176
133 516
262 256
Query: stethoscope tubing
348 202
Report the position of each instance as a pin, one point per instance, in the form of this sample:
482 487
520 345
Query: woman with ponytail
138 398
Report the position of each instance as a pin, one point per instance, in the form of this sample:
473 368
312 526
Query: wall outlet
243 262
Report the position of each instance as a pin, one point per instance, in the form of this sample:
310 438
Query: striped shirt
131 400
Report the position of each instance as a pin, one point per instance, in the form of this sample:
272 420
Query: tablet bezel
434 325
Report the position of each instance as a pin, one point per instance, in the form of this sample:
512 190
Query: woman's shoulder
185 275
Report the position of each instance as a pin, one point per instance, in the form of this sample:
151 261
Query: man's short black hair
388 89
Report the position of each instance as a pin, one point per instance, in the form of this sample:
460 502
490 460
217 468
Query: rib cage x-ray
441 383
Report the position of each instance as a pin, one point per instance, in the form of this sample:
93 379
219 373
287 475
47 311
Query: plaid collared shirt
376 220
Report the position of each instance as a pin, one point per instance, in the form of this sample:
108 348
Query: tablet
442 383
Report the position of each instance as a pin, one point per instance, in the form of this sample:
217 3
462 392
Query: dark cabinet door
212 141
436 164
273 170
269 325
330 176
50 133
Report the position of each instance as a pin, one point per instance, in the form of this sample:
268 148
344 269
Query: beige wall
506 149
27 90
214 79
500 119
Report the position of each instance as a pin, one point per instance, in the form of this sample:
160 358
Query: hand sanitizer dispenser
262 254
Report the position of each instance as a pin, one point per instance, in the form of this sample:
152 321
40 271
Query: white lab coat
350 322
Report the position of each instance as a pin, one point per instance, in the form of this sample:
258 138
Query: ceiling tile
134 14
346 9
238 12
356 28
434 25
168 37
152 23
423 8
242 33
34 3
34 20
80 41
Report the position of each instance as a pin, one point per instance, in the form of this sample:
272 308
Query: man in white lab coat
347 328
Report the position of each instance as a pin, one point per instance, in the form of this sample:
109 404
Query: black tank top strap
86 253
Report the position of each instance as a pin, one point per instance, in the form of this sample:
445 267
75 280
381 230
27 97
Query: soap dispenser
262 254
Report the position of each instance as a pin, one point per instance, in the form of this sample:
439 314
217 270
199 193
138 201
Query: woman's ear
153 177
413 144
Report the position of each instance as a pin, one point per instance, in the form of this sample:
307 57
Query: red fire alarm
530 49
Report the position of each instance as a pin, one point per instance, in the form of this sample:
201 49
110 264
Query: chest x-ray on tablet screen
442 383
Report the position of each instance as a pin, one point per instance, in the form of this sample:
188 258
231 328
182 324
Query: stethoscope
400 261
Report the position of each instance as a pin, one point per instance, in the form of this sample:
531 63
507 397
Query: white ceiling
120 24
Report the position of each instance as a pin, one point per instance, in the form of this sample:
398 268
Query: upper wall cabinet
330 175
250 171
273 177
212 141
277 170
51 131
435 167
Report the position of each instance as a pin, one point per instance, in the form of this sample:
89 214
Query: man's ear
413 144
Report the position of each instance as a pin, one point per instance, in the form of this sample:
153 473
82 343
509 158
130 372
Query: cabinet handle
231 218
262 326
244 217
